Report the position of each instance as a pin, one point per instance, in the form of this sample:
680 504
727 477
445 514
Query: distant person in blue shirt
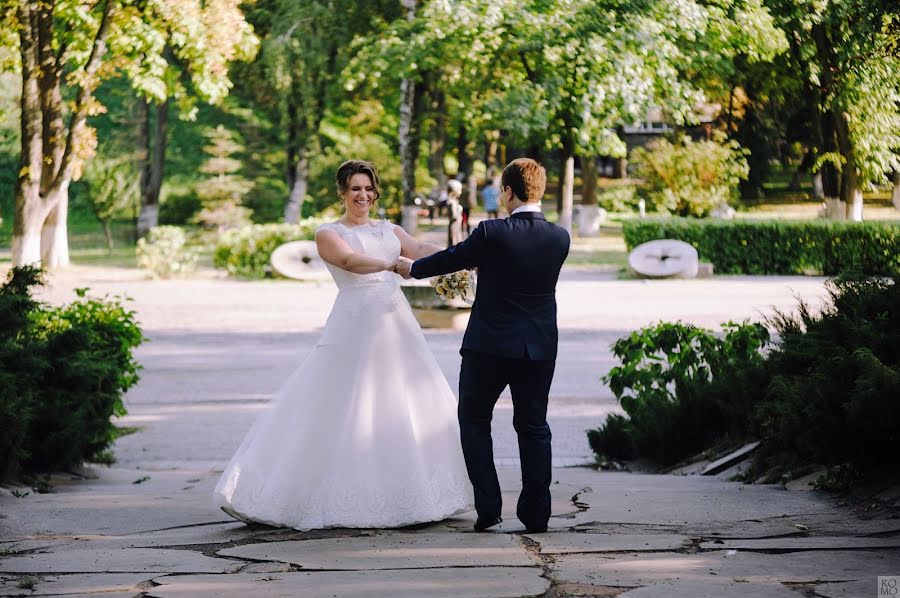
489 196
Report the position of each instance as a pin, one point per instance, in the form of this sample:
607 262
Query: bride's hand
403 267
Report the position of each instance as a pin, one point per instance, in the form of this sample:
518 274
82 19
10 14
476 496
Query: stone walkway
218 350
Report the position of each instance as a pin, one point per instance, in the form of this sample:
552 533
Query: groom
510 341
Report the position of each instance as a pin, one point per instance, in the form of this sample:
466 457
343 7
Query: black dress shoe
536 530
483 524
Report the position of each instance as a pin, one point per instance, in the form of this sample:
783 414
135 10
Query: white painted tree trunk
855 209
589 220
565 215
294 208
26 248
148 218
409 219
54 235
818 186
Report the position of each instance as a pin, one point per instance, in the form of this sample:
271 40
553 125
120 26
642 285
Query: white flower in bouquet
455 285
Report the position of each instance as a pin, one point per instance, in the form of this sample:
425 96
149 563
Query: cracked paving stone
810 543
123 560
799 567
563 543
848 589
393 551
497 582
728 588
79 584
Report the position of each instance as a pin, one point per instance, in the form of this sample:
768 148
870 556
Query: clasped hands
402 266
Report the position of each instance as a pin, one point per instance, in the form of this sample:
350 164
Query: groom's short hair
527 178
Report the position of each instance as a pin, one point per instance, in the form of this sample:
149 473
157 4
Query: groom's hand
404 266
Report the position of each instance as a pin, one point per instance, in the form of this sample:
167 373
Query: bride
364 432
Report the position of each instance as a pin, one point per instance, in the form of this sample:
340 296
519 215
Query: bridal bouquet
455 285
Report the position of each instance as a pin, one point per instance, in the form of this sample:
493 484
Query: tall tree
844 52
66 48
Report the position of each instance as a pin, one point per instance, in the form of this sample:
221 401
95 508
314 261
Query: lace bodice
376 239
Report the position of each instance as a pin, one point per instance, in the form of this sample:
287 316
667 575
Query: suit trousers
482 378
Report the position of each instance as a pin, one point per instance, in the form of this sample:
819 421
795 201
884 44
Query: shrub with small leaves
690 178
663 385
165 254
63 372
247 251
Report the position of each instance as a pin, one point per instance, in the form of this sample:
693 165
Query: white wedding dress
364 432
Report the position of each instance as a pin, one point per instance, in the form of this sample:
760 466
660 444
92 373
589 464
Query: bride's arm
334 250
413 249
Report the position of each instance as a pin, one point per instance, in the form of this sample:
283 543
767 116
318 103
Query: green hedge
63 372
780 247
246 251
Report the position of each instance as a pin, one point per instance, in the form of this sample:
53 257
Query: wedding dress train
364 432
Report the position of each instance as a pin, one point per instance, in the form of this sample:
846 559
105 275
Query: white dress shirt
529 207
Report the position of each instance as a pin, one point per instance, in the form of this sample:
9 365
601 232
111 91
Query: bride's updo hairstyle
351 167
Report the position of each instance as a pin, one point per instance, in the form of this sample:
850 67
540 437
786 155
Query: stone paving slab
649 568
100 560
114 505
810 543
393 551
849 589
104 584
660 499
496 582
712 590
826 523
566 543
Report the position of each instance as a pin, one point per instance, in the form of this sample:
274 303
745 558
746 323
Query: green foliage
221 194
834 391
689 178
662 385
618 199
64 371
246 251
826 392
179 209
165 253
111 189
780 247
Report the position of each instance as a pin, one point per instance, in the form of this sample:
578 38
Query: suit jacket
518 260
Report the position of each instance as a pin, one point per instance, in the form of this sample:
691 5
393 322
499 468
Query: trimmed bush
63 373
246 251
165 254
780 247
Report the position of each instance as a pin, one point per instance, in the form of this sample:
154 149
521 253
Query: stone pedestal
433 312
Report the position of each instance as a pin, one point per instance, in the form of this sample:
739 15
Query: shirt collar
529 207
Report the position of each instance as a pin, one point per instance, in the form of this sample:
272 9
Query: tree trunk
293 211
802 170
850 193
408 151
48 153
895 196
54 234
438 142
27 221
589 181
565 214
154 166
107 233
462 151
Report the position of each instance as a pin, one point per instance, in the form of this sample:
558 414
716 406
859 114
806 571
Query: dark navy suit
511 340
